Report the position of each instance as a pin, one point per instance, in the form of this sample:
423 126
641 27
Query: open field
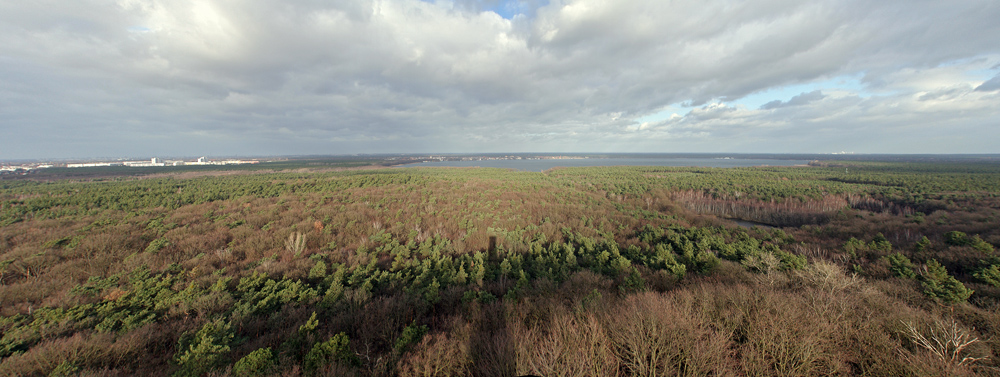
577 271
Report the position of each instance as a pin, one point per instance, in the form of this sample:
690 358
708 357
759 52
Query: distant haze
85 78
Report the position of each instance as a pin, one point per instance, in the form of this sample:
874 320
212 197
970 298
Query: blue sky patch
784 93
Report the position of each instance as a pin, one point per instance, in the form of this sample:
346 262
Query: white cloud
176 77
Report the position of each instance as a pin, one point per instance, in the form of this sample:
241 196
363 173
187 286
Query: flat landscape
841 267
508 188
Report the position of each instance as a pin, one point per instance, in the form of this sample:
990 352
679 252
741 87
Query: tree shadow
491 343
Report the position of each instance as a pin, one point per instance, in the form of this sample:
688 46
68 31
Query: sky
143 78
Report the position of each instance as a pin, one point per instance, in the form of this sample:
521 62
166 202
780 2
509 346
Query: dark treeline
583 271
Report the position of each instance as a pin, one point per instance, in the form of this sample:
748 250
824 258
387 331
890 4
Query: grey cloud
944 94
831 124
799 100
990 85
393 75
772 105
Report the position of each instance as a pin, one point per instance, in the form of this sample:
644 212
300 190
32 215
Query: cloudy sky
93 78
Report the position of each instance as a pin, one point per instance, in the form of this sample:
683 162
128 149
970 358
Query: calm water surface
542 165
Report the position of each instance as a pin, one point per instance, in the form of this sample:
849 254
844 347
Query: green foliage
411 335
221 285
942 287
880 243
258 294
701 262
20 332
157 245
257 363
591 299
432 291
200 353
956 238
633 282
65 369
310 325
923 244
514 293
505 267
95 286
665 260
900 266
148 297
790 261
318 271
980 245
68 242
989 275
461 277
332 246
335 350
854 246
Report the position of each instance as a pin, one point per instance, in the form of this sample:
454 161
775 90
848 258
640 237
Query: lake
542 165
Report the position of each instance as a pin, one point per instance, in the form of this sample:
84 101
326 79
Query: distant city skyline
85 78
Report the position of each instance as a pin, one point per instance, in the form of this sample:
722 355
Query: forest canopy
842 267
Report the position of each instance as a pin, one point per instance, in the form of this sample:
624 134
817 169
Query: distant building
158 162
90 165
152 162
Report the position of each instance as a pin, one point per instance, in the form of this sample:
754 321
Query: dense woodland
855 268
